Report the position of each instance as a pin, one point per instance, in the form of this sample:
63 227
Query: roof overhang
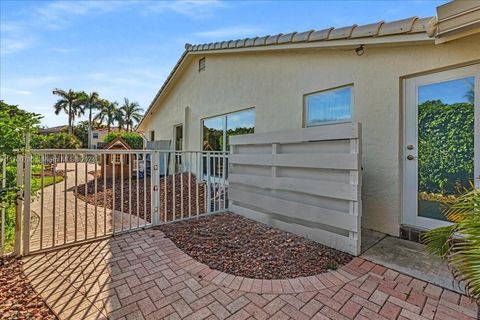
386 41
457 19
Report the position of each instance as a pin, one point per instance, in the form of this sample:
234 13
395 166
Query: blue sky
127 48
452 91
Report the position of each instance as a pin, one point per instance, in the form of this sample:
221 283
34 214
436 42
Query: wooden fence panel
309 182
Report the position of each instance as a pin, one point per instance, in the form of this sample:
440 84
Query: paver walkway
67 219
143 275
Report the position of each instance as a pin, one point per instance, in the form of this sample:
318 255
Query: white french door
442 142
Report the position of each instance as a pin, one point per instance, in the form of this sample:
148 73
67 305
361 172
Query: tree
82 129
14 124
69 103
108 113
89 102
470 95
59 141
459 242
132 113
134 140
120 118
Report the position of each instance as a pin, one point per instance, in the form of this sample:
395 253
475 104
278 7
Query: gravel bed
145 212
240 246
18 300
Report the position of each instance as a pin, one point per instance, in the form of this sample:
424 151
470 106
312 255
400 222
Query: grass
10 211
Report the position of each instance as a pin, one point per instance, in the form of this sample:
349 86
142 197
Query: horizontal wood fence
305 181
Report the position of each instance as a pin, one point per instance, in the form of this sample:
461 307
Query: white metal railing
3 203
73 196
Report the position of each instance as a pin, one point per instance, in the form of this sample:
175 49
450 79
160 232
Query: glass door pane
446 117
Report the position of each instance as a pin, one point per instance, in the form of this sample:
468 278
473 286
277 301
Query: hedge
445 146
135 140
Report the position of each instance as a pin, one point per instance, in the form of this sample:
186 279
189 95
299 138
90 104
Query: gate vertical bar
155 196
27 198
76 200
2 230
209 196
18 209
42 176
65 187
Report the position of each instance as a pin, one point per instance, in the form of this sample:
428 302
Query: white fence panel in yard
305 181
66 197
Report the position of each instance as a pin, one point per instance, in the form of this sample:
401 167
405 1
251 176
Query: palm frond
460 242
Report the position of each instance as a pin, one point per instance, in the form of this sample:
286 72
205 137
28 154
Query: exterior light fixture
360 50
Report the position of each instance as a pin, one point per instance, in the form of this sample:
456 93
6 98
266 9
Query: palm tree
108 113
120 118
470 95
132 113
459 242
69 103
89 102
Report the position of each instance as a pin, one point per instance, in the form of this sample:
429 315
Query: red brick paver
143 275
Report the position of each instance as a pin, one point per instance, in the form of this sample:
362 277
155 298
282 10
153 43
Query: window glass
242 122
446 147
178 137
95 135
329 106
213 130
218 130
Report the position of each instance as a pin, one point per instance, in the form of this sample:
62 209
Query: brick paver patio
143 275
62 224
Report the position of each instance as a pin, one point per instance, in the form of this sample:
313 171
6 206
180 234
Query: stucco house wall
275 82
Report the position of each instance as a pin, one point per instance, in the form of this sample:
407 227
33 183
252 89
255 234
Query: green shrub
59 141
134 140
445 146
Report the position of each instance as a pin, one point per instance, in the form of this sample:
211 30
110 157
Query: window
201 64
331 106
178 131
178 138
95 135
218 130
152 135
117 158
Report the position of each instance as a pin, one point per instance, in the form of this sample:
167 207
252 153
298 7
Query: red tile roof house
382 75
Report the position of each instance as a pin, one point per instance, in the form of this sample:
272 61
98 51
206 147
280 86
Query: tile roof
413 25
378 29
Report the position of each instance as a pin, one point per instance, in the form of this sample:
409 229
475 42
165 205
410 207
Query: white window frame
225 115
410 215
306 123
175 136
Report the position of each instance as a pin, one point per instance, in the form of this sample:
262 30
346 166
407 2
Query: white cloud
37 81
230 32
190 8
18 35
15 91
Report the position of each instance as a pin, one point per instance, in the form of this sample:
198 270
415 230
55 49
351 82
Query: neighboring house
98 135
405 81
57 129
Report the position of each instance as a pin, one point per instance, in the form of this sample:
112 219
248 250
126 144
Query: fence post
155 197
27 196
209 195
2 205
18 208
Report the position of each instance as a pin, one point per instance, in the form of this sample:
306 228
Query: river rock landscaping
240 246
18 300
167 214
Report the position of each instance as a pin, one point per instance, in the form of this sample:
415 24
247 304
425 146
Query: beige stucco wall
275 82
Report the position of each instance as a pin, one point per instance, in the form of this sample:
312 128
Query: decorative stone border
347 273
